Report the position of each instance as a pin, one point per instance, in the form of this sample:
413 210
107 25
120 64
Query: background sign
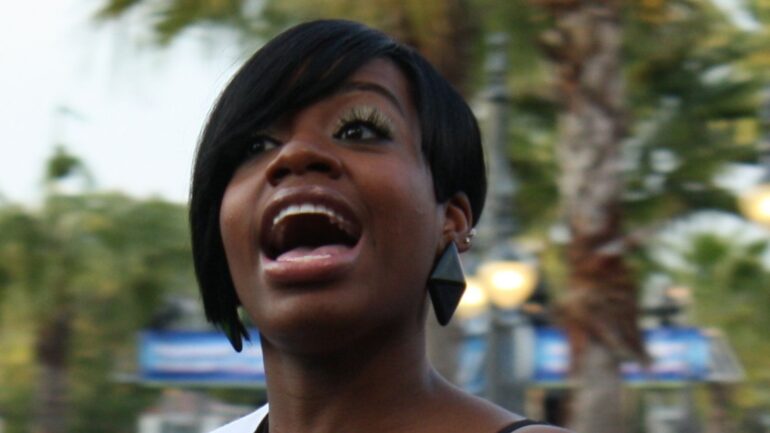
200 358
206 358
677 354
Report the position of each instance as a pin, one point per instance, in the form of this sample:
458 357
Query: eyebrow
353 86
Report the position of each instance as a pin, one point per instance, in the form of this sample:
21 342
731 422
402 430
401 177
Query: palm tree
670 87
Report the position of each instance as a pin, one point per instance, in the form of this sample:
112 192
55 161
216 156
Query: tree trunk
598 402
51 353
600 312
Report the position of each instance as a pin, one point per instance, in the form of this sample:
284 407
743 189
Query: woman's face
331 227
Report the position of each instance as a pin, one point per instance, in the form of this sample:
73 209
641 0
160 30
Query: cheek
232 222
237 234
412 201
409 220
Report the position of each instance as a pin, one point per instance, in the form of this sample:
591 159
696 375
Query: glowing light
755 204
474 300
509 283
508 280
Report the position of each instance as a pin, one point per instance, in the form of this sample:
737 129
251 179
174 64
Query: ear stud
469 237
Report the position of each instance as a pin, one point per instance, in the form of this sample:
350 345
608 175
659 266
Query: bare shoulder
458 411
486 413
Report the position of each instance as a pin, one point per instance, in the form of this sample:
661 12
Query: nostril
279 173
319 167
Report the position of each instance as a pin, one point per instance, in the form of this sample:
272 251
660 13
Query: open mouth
302 231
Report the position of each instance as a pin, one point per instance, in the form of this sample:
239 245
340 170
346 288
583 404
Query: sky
131 111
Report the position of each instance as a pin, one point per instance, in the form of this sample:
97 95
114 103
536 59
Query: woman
334 184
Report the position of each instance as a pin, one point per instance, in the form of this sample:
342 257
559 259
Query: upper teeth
310 208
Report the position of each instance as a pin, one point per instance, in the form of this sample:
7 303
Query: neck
317 393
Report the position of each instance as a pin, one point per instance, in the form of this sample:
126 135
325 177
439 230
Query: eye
364 124
360 131
262 143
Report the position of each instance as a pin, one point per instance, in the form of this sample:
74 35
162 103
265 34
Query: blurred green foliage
725 266
80 274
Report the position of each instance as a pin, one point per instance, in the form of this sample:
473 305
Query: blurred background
618 281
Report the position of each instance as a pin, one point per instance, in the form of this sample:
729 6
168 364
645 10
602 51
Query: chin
308 323
317 323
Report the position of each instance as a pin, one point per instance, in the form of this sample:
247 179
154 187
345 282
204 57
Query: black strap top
263 426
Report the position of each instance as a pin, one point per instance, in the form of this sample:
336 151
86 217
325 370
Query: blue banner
206 358
677 354
203 357
551 355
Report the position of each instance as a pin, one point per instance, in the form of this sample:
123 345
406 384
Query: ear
458 222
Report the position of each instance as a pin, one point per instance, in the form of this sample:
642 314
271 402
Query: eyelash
367 117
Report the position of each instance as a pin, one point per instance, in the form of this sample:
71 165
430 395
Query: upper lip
315 194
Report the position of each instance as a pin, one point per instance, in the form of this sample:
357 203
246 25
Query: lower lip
320 265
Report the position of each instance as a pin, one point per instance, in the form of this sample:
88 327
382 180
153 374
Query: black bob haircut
298 67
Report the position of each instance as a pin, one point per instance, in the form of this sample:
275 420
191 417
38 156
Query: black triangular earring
446 284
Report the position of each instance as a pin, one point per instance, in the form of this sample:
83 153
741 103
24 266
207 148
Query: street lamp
495 294
502 284
504 280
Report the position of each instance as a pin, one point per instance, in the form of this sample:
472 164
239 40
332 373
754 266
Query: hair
298 67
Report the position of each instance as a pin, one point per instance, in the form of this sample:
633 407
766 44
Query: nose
298 157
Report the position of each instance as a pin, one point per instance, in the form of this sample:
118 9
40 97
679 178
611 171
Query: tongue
301 254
